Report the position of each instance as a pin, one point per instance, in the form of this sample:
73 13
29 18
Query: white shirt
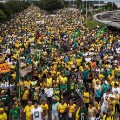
55 108
49 92
88 59
37 113
115 89
4 85
105 95
8 51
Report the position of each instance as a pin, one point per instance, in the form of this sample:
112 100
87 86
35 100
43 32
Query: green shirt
14 113
82 114
63 87
5 99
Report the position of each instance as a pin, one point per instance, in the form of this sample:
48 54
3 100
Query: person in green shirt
63 89
14 113
5 98
82 113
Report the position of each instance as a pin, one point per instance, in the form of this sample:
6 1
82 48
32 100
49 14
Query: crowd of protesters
75 70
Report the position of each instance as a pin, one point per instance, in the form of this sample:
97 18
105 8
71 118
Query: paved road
111 18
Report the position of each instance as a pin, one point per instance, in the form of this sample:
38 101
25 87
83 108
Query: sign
40 22
4 68
26 70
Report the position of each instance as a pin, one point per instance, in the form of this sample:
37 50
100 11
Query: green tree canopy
49 5
2 16
111 6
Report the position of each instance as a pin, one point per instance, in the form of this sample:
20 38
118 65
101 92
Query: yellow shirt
28 111
25 95
113 82
3 116
27 83
108 118
63 79
77 114
14 76
49 81
62 108
78 62
86 97
72 108
110 78
53 73
44 107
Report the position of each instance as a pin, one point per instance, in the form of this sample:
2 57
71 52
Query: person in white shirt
115 88
36 112
55 109
4 85
104 106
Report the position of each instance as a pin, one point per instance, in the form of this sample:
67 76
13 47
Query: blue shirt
98 93
105 88
85 74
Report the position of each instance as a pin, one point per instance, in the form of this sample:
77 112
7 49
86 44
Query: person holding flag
81 113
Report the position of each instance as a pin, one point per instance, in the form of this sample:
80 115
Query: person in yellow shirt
28 109
86 96
27 83
62 109
71 110
24 95
108 116
110 78
44 106
13 75
63 79
78 62
49 80
3 115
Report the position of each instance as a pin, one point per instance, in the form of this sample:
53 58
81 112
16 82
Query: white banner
26 70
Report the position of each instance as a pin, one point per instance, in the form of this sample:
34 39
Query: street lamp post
86 12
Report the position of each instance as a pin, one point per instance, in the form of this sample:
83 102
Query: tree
2 16
79 3
50 5
111 6
6 9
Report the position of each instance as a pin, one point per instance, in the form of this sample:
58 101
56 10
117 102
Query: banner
36 53
4 68
26 70
40 22
2 59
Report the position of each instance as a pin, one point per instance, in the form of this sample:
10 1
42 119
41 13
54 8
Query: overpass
110 18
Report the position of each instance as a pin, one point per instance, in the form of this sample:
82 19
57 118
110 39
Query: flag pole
18 81
18 72
19 76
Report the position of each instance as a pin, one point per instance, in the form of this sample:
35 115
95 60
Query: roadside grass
92 23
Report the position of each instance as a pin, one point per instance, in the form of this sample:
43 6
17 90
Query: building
3 1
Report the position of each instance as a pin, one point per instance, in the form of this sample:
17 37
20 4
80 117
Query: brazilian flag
75 34
101 31
37 55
